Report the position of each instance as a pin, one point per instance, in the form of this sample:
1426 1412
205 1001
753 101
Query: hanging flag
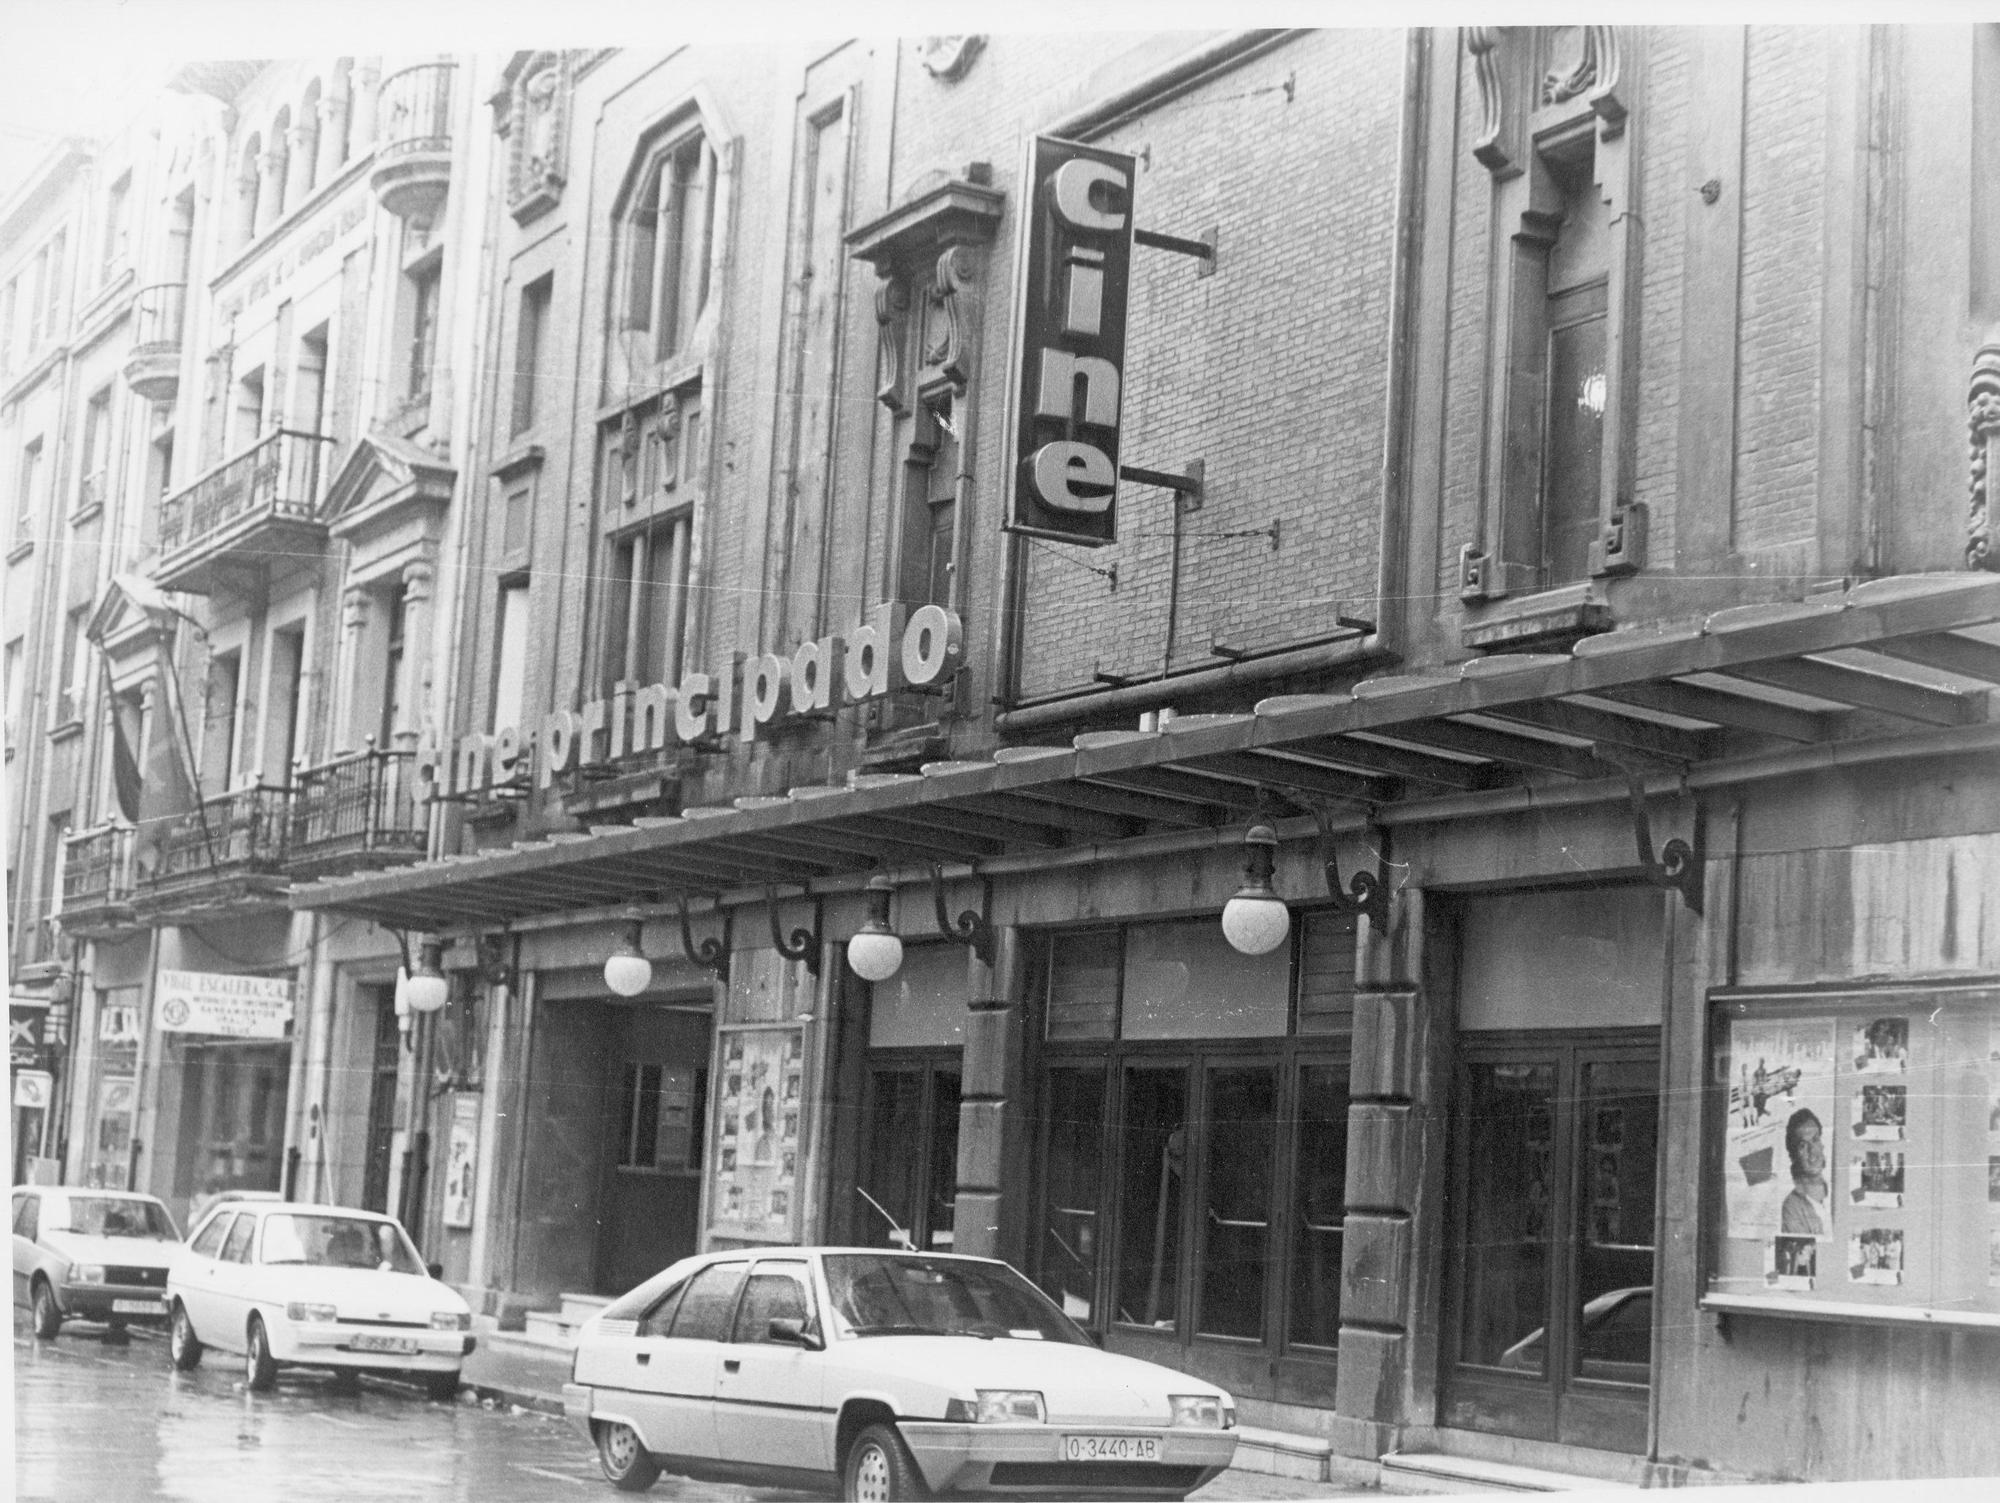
125 777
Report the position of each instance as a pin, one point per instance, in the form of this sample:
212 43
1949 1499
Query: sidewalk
506 1370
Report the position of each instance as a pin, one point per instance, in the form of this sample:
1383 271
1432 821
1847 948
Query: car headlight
86 1273
998 1406
451 1320
301 1311
1201 1411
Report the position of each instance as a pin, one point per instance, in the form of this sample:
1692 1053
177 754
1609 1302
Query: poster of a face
1781 1102
1879 1112
758 1137
1875 1179
1882 1046
1875 1256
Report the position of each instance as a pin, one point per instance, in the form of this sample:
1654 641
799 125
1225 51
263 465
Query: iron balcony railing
279 474
97 869
158 313
415 111
230 835
358 807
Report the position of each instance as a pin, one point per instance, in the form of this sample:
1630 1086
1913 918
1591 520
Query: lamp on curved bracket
711 953
804 943
1680 866
971 928
1368 892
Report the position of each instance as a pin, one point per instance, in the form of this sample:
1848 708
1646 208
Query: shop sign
1075 274
31 1089
117 1023
25 1025
883 654
243 1007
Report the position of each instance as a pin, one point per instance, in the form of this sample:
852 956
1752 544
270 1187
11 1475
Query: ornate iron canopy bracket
804 943
494 968
1680 865
971 928
712 953
1368 892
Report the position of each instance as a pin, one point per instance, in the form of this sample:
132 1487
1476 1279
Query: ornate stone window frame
1537 112
531 113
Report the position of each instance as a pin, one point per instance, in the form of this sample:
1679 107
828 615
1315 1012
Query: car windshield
104 1216
338 1242
884 1294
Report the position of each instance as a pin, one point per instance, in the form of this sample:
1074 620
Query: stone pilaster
988 1220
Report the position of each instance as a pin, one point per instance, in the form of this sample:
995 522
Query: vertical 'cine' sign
1075 273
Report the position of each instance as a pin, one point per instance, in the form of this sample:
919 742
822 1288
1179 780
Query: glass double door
908 1179
1549 1276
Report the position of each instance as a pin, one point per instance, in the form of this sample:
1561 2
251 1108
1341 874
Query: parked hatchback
90 1255
884 1375
286 1284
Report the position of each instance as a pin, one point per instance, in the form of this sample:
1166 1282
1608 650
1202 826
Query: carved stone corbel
1982 423
951 314
892 307
1497 146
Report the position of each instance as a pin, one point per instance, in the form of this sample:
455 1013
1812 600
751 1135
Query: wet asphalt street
100 1422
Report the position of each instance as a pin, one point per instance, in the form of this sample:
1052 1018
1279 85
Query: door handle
731 1364
644 1358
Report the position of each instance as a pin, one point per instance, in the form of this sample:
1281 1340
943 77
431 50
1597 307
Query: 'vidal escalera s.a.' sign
1075 267
889 651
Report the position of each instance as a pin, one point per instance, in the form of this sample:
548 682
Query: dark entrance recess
1549 1274
653 1139
1193 1149
386 1055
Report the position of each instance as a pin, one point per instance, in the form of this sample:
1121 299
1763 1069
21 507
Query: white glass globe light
626 971
427 990
874 953
1256 922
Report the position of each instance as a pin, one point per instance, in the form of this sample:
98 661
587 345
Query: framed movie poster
759 1093
1854 1152
461 1161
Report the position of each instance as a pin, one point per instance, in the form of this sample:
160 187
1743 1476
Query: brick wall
1272 370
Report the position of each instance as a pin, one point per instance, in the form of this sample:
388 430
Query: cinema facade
1386 677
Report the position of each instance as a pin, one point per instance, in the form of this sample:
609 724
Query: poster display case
1853 1160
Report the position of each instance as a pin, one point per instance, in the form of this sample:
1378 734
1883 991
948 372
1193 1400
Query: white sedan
315 1286
90 1255
886 1375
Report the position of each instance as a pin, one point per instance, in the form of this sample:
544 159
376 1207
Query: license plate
401 1345
135 1307
1111 1448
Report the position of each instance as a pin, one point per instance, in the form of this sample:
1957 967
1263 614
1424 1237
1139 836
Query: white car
90 1255
287 1284
885 1375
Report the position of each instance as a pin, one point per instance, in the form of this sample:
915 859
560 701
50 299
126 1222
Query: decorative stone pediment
387 484
133 624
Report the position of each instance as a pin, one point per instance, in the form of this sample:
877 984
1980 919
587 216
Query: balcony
223 860
355 813
153 364
412 170
247 515
97 882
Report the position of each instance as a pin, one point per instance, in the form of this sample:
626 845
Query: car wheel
260 1373
442 1387
626 1464
183 1346
48 1315
879 1468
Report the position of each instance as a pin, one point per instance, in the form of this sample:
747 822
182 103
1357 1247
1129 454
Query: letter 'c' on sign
1073 182
1060 467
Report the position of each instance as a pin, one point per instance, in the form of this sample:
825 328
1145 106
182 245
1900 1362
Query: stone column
419 579
367 79
353 628
991 1131
1399 1092
300 163
270 188
332 125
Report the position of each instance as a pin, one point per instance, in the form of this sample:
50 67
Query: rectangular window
117 227
309 382
1073 1178
1184 980
420 352
645 604
218 736
389 703
639 1117
247 419
285 703
52 311
528 334
96 450
1319 1212
1241 1123
10 298
1083 985
160 465
27 495
70 681
510 658
1153 1132
16 688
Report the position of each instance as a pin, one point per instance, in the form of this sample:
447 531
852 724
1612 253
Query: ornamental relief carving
1982 421
949 58
536 120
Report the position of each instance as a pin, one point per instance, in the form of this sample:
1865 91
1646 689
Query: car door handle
731 1364
645 1358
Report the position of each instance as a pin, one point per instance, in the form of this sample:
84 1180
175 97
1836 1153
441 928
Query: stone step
1281 1453
1434 1472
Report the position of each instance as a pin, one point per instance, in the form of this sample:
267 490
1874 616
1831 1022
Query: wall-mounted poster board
1854 1152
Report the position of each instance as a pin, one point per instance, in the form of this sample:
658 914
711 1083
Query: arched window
246 190
280 161
341 91
309 139
669 230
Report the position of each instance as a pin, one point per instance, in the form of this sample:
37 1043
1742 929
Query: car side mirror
435 1270
789 1330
